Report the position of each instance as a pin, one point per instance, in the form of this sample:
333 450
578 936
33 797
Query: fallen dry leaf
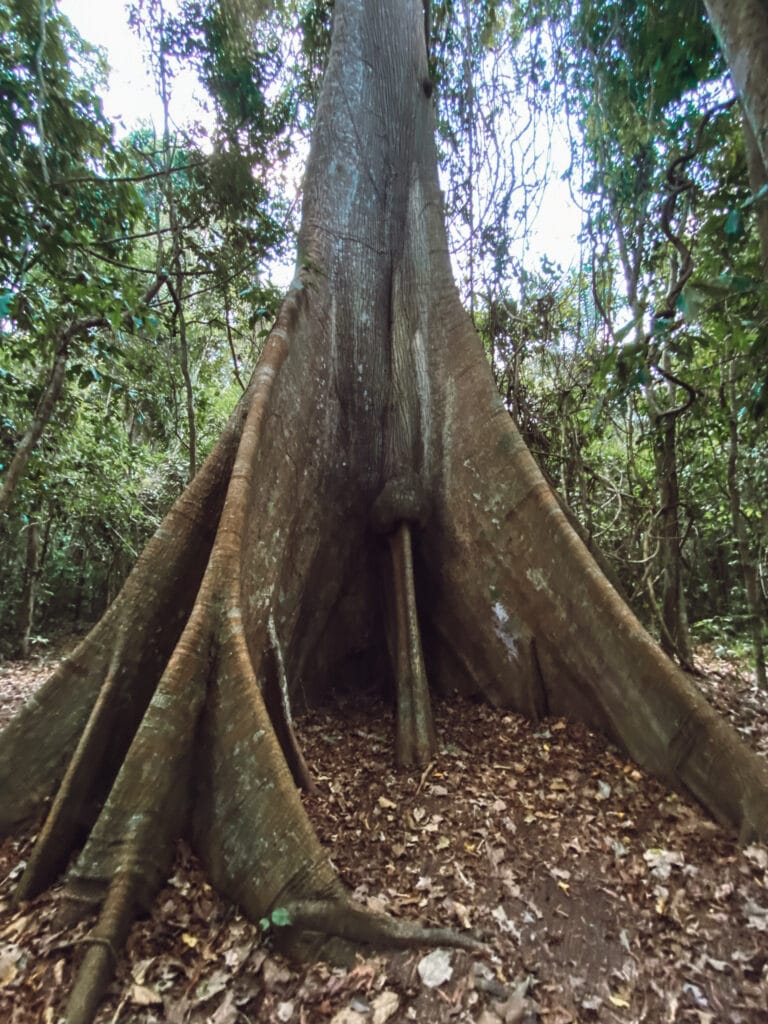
143 995
435 968
384 1006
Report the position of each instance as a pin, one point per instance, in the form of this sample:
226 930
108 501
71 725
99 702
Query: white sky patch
555 229
131 97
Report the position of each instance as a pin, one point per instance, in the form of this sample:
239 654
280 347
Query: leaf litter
602 896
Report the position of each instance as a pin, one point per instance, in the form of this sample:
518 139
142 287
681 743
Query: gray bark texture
741 27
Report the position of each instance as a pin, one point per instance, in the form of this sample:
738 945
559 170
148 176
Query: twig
424 776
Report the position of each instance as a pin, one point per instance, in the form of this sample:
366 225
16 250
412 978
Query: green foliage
56 153
88 225
590 383
652 53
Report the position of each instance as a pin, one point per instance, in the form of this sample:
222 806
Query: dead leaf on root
143 995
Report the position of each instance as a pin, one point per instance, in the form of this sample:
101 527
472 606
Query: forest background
139 276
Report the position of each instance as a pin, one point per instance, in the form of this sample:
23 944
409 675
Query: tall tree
370 443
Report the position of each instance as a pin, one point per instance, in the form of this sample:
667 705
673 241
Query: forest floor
602 896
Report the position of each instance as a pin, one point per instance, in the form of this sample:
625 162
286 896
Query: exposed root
45 732
131 646
104 945
342 919
250 827
67 814
130 848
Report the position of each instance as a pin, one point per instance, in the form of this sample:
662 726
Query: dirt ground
602 897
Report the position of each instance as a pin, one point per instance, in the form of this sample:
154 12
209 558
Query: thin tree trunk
470 129
78 558
40 420
29 589
746 559
675 637
176 256
189 394
230 339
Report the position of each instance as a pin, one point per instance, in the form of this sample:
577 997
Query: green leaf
734 225
690 302
6 298
280 917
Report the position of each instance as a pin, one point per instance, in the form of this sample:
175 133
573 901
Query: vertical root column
401 503
416 742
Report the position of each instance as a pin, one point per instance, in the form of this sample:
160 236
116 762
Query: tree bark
177 247
675 638
741 27
758 179
370 441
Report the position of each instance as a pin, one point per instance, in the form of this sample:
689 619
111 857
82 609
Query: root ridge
340 918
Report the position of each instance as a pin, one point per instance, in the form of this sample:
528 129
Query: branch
41 96
691 392
678 184
118 263
94 179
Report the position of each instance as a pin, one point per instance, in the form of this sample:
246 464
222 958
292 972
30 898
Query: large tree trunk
370 454
741 27
758 179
